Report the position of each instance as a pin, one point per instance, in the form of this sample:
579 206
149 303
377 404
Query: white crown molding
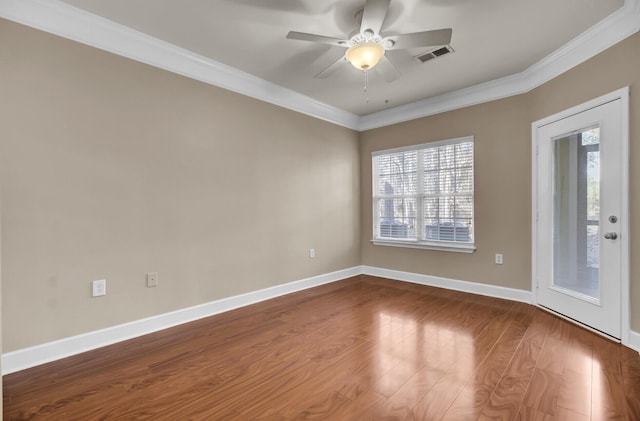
477 94
62 19
608 32
605 34
78 25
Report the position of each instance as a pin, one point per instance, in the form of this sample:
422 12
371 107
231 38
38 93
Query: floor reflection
409 347
370 349
396 343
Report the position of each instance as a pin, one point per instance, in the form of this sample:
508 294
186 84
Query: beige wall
613 69
112 169
502 199
502 131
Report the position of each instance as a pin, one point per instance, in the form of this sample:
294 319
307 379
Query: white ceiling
491 39
502 47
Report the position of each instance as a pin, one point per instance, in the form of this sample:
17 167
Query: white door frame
623 96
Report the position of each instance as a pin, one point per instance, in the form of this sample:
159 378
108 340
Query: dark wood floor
361 349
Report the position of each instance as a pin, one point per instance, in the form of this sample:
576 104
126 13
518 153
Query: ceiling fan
366 46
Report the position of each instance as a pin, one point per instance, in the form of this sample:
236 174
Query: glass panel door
576 209
580 222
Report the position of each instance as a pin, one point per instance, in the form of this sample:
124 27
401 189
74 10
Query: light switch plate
99 287
152 279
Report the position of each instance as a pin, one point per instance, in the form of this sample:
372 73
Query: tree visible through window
423 195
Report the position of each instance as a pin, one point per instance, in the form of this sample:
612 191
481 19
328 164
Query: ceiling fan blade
317 38
373 16
330 69
420 39
387 70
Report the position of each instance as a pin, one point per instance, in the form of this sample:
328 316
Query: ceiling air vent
424 57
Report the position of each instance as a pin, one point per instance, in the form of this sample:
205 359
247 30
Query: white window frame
418 242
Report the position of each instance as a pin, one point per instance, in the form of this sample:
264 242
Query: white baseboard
464 286
634 341
51 351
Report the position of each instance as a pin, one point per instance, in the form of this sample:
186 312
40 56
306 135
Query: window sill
456 248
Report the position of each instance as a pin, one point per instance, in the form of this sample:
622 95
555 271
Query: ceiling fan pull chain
366 85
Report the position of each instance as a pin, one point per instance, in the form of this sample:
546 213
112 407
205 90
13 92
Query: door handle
610 235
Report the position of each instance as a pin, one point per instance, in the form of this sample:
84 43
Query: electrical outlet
99 287
498 259
152 279
312 253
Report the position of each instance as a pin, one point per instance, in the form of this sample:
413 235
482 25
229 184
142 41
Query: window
423 196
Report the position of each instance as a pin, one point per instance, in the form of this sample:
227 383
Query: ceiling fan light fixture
364 56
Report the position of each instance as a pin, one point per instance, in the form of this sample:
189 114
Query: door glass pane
576 212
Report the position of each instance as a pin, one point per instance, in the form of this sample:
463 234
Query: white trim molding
51 351
40 354
608 32
634 341
452 284
67 21
624 217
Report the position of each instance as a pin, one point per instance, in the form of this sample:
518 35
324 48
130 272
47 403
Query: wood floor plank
365 407
608 395
630 367
438 399
575 392
507 397
542 394
402 403
477 391
365 348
